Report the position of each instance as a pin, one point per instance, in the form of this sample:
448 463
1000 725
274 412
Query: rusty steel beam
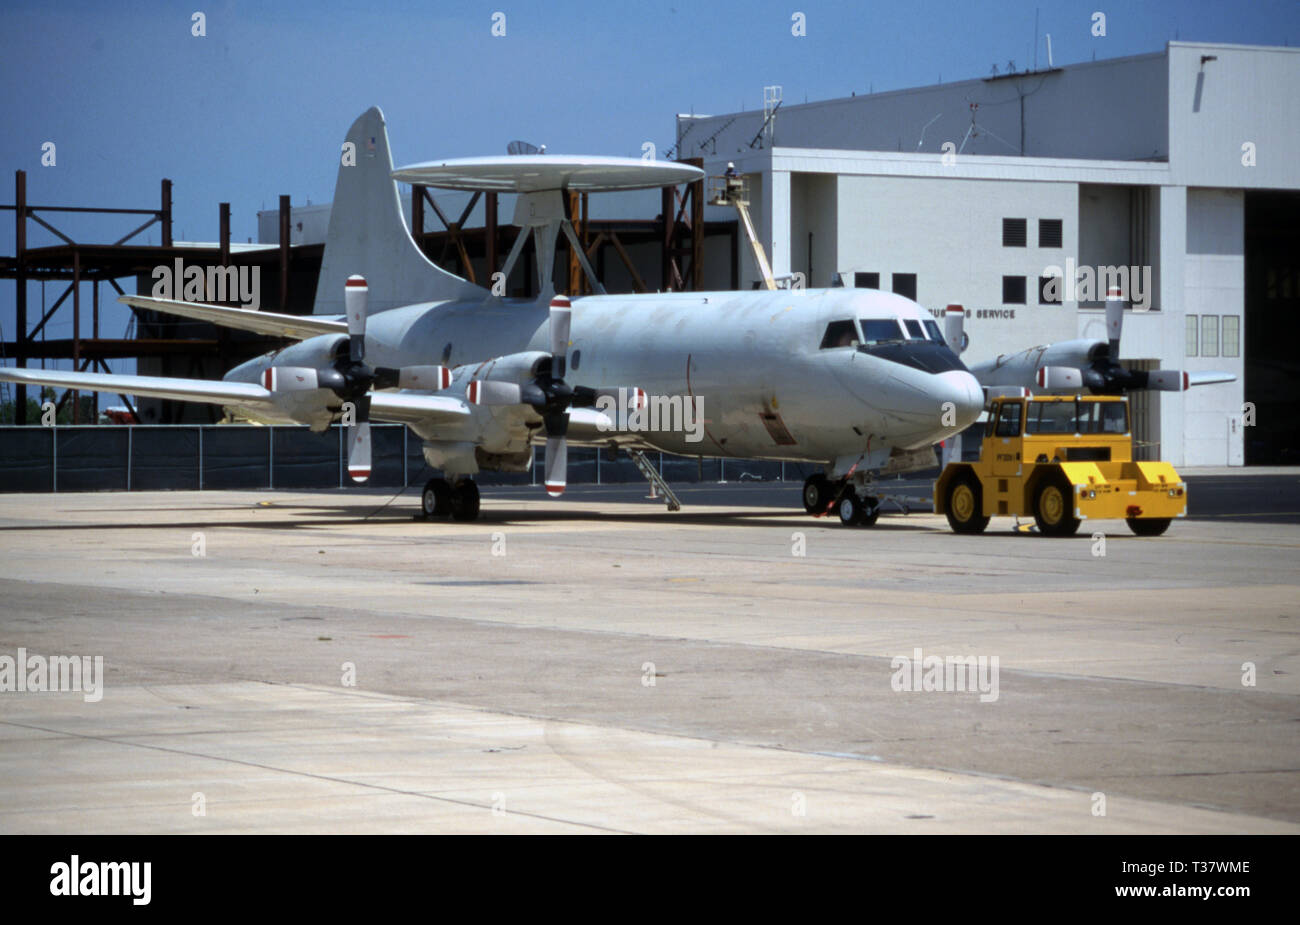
286 221
165 213
223 214
417 216
575 268
76 329
20 253
637 281
697 226
490 232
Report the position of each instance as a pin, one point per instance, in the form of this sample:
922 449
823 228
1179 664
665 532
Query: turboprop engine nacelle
514 367
303 400
315 352
1021 369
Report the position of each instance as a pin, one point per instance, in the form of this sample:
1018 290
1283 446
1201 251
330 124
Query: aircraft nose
963 391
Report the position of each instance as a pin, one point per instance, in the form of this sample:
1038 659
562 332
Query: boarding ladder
655 479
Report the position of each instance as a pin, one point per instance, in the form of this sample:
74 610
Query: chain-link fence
186 457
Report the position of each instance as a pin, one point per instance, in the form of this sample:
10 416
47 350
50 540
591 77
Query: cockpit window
876 331
840 334
914 331
932 328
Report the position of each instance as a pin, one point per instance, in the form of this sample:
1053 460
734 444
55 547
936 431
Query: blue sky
259 106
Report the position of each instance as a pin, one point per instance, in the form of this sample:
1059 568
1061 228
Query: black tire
435 500
1148 526
870 512
964 504
1054 506
465 500
850 509
817 494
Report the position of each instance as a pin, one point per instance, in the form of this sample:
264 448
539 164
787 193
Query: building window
866 280
1013 290
1014 232
1049 232
1193 328
1231 336
1050 289
1209 335
905 285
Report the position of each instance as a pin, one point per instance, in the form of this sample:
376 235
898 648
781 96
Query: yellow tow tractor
1064 459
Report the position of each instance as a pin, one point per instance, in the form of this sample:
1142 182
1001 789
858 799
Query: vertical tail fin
368 233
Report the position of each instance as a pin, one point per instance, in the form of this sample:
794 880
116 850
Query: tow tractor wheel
965 505
817 493
1054 506
464 500
1148 526
435 501
850 510
870 511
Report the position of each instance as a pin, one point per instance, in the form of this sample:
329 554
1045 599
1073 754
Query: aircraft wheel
965 505
464 500
435 501
1054 506
817 493
1148 526
870 512
850 510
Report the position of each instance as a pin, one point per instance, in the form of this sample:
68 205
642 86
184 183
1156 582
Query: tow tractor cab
1065 459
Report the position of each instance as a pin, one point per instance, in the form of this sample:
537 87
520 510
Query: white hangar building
1183 164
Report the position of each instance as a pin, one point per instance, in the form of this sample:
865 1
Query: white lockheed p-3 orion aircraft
843 378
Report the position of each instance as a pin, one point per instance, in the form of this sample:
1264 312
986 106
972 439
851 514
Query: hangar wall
1245 95
892 225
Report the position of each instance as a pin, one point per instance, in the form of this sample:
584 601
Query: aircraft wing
415 408
590 427
401 407
299 327
201 390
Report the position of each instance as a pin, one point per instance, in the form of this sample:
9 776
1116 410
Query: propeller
351 379
549 395
954 322
1105 376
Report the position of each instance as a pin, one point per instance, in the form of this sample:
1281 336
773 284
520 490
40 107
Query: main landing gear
441 498
848 499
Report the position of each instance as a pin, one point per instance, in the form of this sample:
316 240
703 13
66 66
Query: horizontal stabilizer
299 327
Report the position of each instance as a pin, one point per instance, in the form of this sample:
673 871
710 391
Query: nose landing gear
848 498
